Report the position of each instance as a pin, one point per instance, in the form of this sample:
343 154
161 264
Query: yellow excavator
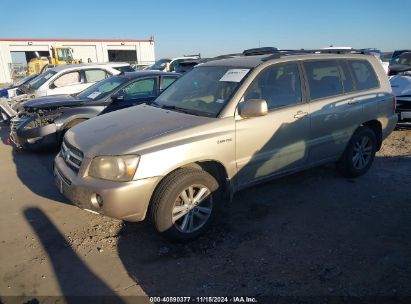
60 55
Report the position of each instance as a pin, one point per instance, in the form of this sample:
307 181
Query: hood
401 85
54 101
4 91
122 131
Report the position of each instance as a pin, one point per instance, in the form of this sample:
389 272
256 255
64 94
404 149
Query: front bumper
32 137
122 200
389 126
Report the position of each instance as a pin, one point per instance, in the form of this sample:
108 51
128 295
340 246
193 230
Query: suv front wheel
359 153
185 203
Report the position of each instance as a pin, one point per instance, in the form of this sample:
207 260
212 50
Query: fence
17 71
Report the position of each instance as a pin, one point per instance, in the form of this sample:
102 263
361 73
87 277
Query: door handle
300 114
352 102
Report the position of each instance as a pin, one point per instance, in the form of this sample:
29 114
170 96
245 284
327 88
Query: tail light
394 103
388 71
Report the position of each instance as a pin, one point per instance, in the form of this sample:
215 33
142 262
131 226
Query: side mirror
52 86
117 97
253 108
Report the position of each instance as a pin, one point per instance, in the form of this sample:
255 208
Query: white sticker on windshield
94 95
219 100
234 75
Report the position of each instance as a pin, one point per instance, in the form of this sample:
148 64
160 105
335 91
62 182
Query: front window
203 91
140 89
67 79
278 85
62 54
102 88
41 79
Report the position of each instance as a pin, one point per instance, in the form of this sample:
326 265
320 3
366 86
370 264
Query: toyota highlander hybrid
223 126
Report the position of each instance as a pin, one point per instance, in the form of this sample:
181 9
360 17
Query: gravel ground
308 234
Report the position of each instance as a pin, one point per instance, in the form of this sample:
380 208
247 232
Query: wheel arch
376 127
214 168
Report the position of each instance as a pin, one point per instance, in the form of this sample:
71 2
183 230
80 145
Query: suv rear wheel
185 203
359 153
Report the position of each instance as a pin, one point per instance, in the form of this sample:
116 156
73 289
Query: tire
359 153
191 218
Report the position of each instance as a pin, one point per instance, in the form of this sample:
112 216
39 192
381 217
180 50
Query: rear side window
279 85
364 75
323 78
95 75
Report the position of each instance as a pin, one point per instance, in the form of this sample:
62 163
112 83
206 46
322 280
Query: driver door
68 83
276 142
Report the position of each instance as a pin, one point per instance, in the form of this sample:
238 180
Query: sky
211 27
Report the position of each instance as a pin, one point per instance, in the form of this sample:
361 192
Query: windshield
103 88
404 59
41 79
159 64
24 80
124 69
202 91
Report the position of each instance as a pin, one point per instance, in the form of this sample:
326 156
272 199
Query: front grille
72 156
14 124
63 177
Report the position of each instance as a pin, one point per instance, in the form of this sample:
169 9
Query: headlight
114 168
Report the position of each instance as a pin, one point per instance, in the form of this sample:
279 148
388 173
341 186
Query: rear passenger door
334 108
276 142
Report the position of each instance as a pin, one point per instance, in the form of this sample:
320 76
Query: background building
15 53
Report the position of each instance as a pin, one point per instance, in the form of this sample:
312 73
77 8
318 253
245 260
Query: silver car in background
224 126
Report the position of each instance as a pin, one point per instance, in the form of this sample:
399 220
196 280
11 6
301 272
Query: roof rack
281 53
260 51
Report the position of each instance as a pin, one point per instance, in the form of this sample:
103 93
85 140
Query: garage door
84 52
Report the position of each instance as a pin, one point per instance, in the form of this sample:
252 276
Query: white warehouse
18 51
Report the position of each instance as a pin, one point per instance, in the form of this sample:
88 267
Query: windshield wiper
178 109
154 104
187 111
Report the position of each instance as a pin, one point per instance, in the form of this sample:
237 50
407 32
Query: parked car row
43 121
66 79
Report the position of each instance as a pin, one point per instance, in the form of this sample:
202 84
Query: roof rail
281 53
260 51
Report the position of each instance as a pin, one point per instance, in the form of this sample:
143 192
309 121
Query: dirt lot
312 233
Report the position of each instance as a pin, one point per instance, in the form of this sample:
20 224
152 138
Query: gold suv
226 125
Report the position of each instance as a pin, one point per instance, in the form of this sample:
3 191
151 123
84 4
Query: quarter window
363 74
167 81
279 85
346 77
95 75
67 79
323 78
